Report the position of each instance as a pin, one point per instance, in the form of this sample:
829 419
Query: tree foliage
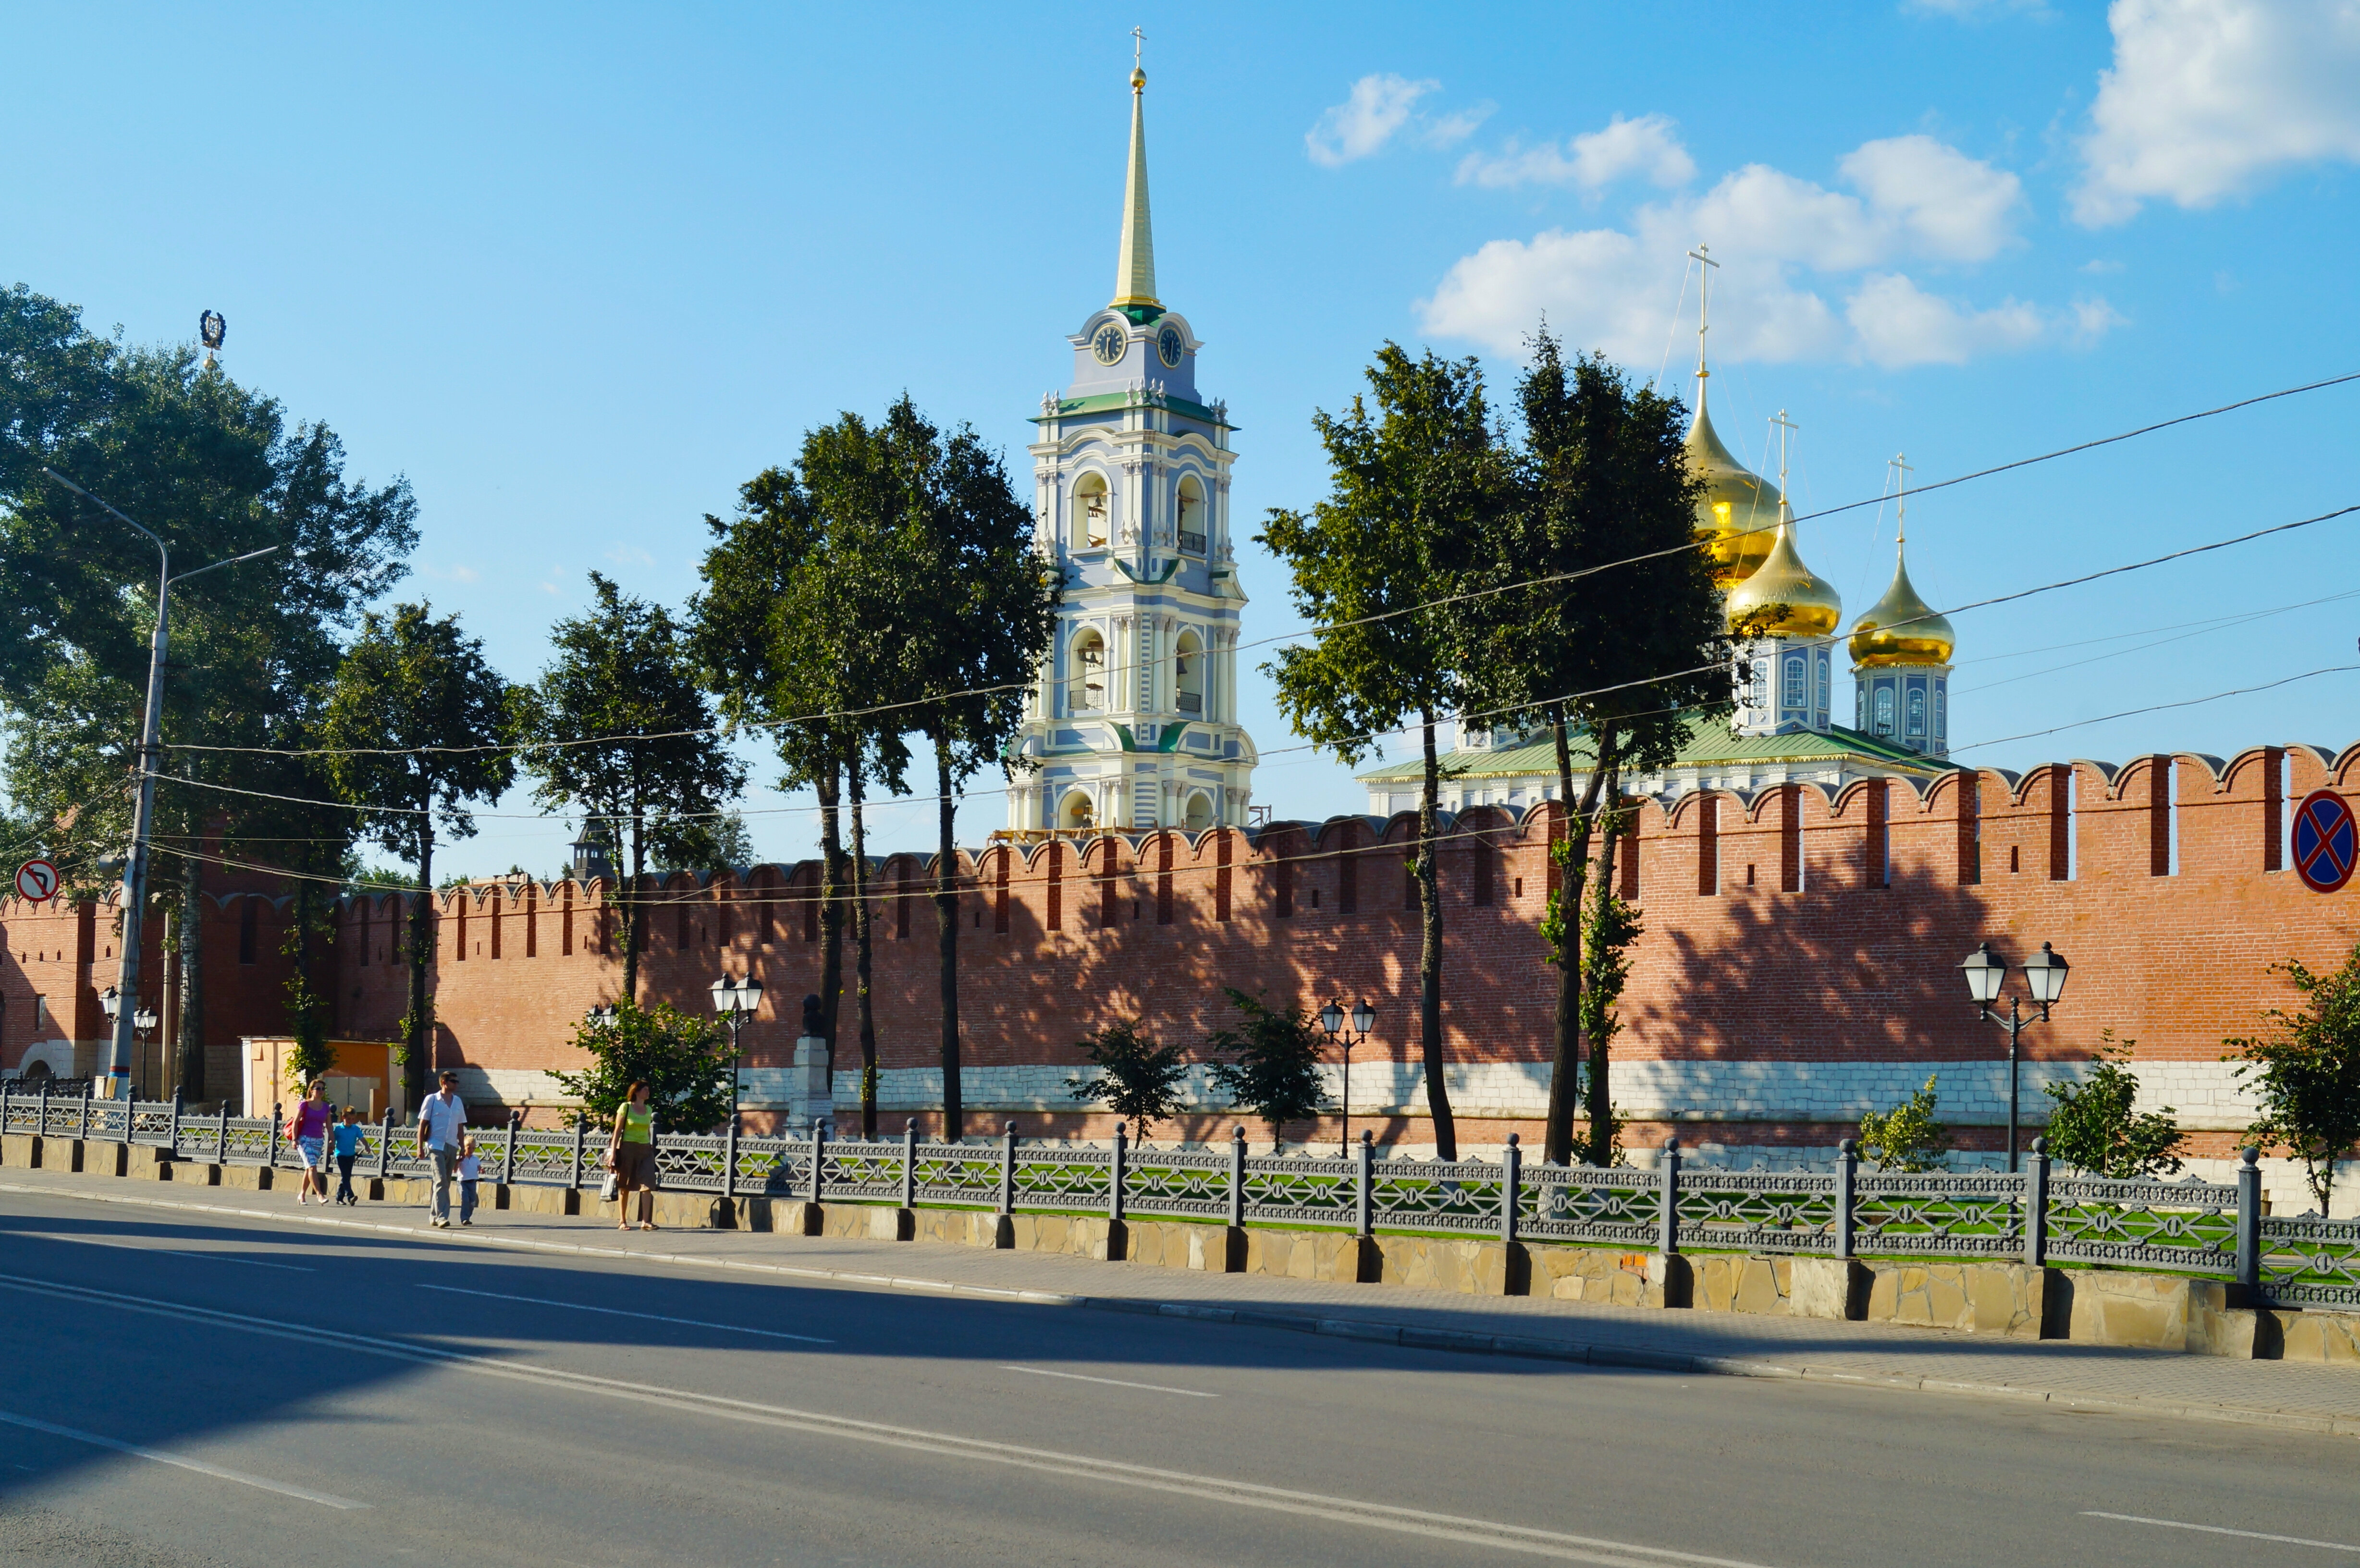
683 1058
416 717
2098 1128
1415 488
2306 1072
1137 1079
1275 1066
1906 1137
620 731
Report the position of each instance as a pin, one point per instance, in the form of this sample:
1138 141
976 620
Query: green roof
1107 402
1708 745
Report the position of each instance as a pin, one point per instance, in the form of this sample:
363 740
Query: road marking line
2221 1529
167 1252
327 1500
619 1312
1112 1382
1492 1533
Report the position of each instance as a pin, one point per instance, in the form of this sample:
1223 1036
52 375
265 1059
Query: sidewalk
2290 1395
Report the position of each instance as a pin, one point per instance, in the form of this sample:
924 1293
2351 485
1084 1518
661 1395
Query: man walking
441 1126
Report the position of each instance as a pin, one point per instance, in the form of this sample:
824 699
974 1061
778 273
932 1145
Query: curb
1412 1336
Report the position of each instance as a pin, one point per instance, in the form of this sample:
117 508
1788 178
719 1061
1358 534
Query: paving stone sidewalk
2293 1396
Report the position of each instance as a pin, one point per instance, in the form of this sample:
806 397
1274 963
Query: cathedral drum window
1917 712
1792 695
1885 710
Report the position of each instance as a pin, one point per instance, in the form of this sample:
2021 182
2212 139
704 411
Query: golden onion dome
1737 520
1901 627
1783 597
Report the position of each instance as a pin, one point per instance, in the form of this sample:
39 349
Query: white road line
619 1312
2221 1529
169 1252
1112 1382
1494 1534
325 1499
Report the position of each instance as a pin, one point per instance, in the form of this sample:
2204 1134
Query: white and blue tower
1133 722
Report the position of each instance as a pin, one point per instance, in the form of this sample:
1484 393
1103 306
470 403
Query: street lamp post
1332 1018
735 1000
2044 977
134 874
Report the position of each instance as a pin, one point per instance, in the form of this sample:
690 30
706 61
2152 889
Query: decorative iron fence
2191 1226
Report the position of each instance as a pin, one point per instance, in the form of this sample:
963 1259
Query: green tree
1906 1137
1577 634
684 1059
2097 1127
217 469
985 611
418 720
1414 492
1137 1079
1276 1071
619 730
2306 1072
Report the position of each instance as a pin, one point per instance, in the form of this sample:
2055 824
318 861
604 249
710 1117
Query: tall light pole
2044 976
735 1000
1332 1018
134 874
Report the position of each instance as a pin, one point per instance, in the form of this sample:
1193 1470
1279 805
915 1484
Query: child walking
470 1169
348 1149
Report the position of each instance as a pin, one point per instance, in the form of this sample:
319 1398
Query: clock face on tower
1168 346
1108 345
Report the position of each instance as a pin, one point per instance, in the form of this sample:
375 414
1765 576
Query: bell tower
1132 722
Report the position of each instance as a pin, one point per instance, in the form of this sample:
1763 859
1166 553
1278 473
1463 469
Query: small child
470 1169
348 1149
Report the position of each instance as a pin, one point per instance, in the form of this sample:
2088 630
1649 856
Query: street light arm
216 566
109 510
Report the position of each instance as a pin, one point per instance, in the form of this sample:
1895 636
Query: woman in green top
633 1150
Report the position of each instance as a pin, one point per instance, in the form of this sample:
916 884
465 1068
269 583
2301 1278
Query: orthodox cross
1703 253
1138 43
1786 427
1902 470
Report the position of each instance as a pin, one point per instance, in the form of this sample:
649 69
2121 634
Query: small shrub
1906 1137
1136 1078
2096 1127
1276 1073
2306 1073
684 1059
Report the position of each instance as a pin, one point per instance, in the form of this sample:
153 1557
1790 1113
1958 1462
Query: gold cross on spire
1138 47
1902 470
1703 253
1786 427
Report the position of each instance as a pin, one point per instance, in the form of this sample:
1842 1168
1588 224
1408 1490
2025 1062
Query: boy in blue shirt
347 1135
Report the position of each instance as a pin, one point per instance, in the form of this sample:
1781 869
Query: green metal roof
1708 745
1108 402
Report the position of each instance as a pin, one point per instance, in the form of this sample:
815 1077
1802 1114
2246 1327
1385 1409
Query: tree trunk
192 990
417 1043
1429 958
1598 1105
1565 1071
830 785
627 907
860 934
946 940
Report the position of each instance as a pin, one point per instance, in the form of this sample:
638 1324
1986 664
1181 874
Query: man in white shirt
442 1127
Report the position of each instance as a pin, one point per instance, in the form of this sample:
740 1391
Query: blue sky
580 271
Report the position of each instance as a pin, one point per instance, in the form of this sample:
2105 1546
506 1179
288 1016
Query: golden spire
1134 268
1901 627
1783 597
1735 518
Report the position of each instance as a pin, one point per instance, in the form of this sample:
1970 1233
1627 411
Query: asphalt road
178 1391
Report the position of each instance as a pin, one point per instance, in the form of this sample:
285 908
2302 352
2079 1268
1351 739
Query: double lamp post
2044 977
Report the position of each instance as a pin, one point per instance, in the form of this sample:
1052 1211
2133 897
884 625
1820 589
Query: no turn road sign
2326 841
36 881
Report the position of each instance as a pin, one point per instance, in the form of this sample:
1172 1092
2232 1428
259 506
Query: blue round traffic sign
2326 841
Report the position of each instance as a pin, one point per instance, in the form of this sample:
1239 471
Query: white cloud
1918 200
2206 97
1645 147
1365 122
629 555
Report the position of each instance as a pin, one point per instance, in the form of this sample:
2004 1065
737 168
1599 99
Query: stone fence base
2089 1306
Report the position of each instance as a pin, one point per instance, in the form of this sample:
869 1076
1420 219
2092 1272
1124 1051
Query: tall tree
215 468
418 722
985 611
1414 491
1579 635
619 730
